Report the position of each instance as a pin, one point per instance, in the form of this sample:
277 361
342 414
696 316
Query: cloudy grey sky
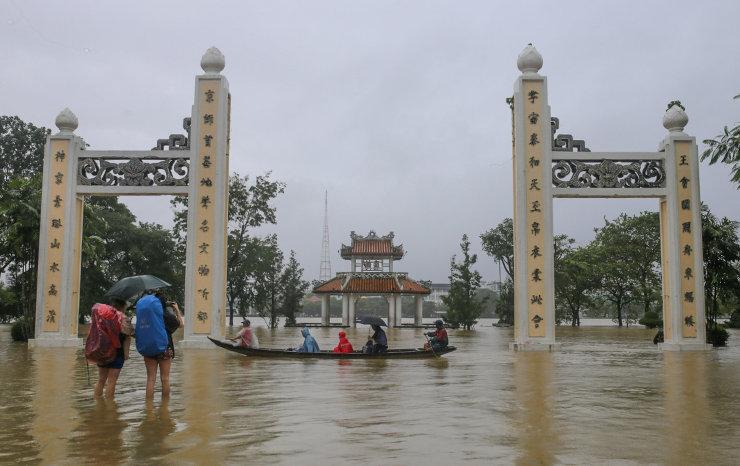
395 107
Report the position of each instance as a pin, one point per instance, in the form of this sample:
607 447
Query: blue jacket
309 343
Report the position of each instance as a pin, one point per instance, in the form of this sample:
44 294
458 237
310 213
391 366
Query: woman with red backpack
107 344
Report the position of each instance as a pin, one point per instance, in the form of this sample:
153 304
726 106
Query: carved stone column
208 200
418 317
681 239
534 314
57 284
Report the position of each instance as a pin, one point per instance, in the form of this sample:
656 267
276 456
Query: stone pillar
345 308
352 302
398 313
391 310
534 298
681 239
418 317
60 236
325 309
208 200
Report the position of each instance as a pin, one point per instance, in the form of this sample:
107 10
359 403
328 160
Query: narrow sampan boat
409 353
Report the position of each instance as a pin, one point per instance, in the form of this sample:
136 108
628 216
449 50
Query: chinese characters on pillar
55 226
535 218
687 231
205 196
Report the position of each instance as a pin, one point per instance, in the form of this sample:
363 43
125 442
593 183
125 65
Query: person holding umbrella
379 339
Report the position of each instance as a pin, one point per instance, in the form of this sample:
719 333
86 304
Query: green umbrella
128 287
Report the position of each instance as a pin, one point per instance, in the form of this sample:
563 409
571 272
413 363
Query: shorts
168 354
115 364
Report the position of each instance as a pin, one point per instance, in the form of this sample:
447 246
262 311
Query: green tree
629 256
725 148
19 241
115 246
250 206
463 306
267 294
294 288
498 243
576 278
721 249
21 149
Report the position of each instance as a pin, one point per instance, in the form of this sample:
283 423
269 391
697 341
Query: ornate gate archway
548 166
195 165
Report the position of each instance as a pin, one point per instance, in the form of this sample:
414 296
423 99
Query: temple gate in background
549 165
194 165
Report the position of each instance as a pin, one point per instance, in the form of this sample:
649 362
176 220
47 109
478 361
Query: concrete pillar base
55 343
534 346
685 346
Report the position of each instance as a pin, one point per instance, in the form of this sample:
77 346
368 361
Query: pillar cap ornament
529 61
66 121
213 61
675 118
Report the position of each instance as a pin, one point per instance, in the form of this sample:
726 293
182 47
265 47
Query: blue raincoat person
309 343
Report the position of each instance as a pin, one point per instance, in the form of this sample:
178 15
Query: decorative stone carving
608 174
134 172
529 61
675 118
176 141
565 142
66 121
213 61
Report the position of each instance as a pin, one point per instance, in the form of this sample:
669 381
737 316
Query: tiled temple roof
371 283
372 245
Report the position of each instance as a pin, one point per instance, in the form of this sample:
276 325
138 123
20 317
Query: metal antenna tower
325 271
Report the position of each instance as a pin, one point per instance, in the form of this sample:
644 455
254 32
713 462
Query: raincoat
309 343
248 338
344 345
103 339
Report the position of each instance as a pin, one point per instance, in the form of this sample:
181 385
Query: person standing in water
119 330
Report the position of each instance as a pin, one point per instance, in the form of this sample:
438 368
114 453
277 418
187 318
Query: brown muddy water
608 396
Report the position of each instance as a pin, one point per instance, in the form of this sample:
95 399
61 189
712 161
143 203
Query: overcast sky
395 107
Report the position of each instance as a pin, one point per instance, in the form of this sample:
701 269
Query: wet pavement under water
608 396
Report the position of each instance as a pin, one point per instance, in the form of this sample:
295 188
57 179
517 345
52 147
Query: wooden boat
409 353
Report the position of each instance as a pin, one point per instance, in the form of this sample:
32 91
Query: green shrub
21 330
734 321
717 335
651 319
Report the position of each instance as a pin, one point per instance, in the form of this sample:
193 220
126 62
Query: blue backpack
151 336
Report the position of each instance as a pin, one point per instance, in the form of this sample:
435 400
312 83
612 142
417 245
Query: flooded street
608 395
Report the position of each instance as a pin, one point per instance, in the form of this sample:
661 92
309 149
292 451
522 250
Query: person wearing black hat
438 339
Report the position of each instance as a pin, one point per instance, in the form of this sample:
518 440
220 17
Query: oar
431 346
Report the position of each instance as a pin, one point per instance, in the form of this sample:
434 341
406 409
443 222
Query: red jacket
441 335
344 345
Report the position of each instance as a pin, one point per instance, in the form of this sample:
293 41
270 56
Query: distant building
438 290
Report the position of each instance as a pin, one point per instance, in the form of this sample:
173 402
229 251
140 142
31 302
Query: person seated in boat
380 340
309 343
438 339
369 345
246 337
344 345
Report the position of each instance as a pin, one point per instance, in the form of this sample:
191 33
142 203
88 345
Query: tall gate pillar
684 316
208 202
60 239
534 294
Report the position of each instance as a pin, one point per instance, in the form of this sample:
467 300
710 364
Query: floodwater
608 396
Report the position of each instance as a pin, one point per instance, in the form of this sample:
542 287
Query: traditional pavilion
372 258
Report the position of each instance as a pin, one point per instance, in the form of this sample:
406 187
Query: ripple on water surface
608 395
